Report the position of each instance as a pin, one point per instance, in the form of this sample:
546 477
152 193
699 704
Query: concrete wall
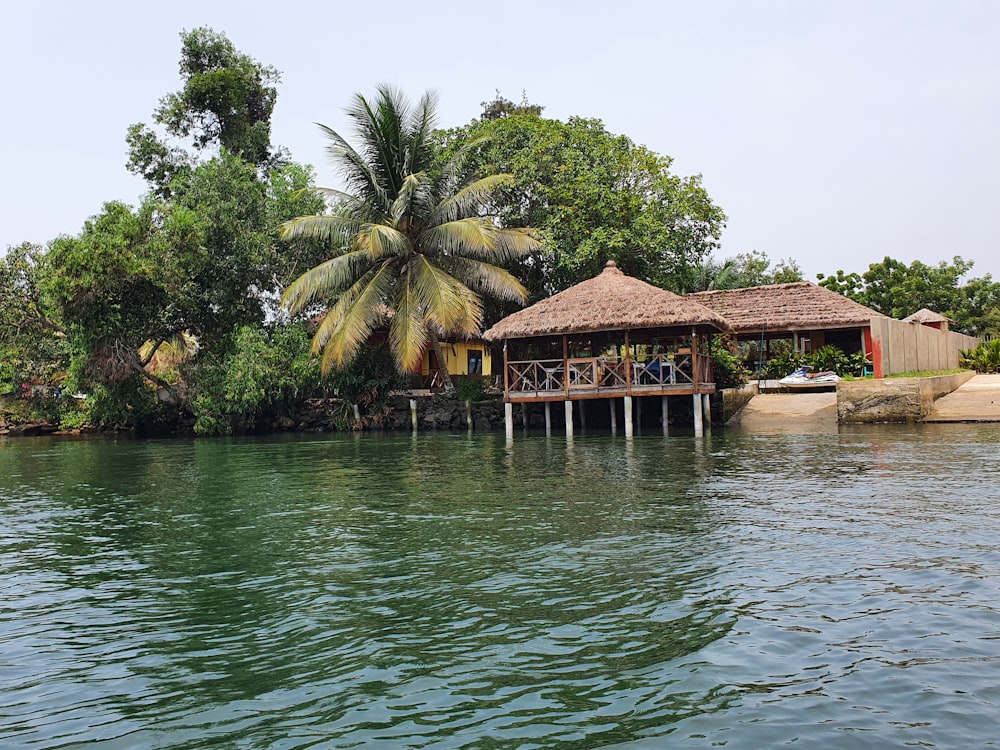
895 399
909 347
734 399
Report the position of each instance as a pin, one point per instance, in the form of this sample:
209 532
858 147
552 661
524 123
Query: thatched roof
925 316
798 306
611 301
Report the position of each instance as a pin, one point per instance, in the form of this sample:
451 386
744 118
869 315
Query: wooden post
548 419
583 415
506 382
413 414
706 406
524 415
565 366
638 413
508 419
614 416
664 412
568 408
699 429
629 431
628 374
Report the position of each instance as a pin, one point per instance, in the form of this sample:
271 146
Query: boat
802 378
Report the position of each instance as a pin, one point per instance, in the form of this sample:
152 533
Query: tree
744 270
226 102
32 339
594 197
897 290
410 239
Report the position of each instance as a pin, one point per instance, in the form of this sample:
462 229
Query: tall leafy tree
896 289
226 101
411 238
595 197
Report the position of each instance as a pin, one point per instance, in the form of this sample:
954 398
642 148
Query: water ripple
456 592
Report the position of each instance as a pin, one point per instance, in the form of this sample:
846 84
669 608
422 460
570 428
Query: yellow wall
456 357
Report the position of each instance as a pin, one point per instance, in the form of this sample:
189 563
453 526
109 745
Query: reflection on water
460 591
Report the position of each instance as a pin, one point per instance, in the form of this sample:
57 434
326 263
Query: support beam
548 419
583 415
568 408
629 429
524 415
638 413
614 416
699 429
413 414
508 419
665 412
706 408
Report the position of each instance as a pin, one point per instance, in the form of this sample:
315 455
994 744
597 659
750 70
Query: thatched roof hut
611 301
799 306
928 317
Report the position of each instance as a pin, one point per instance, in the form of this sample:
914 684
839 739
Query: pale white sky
831 132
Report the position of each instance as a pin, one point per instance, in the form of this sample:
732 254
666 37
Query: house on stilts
612 337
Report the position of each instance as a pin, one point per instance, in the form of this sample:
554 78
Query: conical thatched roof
798 306
611 301
925 316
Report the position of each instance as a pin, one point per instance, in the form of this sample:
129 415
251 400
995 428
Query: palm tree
412 239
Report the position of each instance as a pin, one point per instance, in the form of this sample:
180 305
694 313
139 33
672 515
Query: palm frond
473 237
516 242
351 320
407 329
413 199
485 278
469 199
357 173
441 296
320 226
456 171
324 281
380 240
419 127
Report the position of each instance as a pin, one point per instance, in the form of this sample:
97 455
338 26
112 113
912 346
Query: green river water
456 591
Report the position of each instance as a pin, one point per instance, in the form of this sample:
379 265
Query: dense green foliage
897 290
744 270
825 358
594 197
729 369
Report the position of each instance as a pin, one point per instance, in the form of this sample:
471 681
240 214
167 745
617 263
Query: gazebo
612 336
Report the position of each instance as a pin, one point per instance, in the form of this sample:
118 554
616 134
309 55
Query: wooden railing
610 373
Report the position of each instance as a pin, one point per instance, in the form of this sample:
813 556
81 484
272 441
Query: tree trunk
449 387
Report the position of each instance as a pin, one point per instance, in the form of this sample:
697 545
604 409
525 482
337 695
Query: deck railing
547 376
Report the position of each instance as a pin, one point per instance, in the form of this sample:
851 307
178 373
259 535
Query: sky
832 133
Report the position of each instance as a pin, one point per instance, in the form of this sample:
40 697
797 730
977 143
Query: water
450 591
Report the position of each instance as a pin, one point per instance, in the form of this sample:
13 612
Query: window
475 362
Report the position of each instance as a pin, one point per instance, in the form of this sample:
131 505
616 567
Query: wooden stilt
413 414
706 408
665 412
629 430
548 419
508 420
569 418
583 414
614 416
524 416
699 429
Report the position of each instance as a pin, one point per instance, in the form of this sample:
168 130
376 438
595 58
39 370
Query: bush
984 358
729 369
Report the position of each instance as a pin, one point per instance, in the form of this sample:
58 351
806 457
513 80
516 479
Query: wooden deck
580 378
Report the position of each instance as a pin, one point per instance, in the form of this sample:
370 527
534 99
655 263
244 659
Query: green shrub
984 358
